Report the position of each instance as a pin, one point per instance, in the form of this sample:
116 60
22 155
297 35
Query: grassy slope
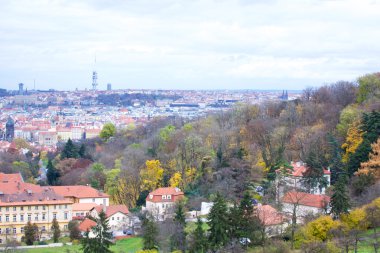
130 245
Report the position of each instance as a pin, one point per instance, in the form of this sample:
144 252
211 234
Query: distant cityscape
47 117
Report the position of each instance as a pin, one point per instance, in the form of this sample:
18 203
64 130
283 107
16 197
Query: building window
65 216
54 216
55 207
14 208
0 231
43 229
169 196
66 206
7 231
117 218
7 209
113 218
29 208
14 218
21 217
93 200
14 231
65 227
0 218
43 207
36 208
43 216
6 218
29 217
1 241
36 217
163 196
21 208
22 230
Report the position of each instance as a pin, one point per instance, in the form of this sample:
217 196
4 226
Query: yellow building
22 202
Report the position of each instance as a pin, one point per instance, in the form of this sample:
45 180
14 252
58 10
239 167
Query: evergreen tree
30 233
179 236
149 231
102 240
82 151
249 222
56 230
340 200
235 222
52 173
200 243
336 164
218 223
70 150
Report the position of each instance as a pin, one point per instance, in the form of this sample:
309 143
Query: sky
187 44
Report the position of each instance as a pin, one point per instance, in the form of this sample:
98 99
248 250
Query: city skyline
258 45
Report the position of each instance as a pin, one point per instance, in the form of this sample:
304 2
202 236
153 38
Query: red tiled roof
156 195
111 210
78 191
306 199
86 225
300 168
15 177
269 216
83 206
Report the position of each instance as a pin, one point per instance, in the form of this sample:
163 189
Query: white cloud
187 44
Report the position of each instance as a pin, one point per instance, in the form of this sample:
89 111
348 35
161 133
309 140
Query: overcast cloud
203 44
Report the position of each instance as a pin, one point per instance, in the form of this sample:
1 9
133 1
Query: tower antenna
94 77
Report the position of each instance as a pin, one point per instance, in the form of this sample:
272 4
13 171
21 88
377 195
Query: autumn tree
74 232
369 87
372 166
152 175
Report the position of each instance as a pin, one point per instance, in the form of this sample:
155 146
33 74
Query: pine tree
249 222
200 243
52 173
30 233
218 223
70 150
82 151
179 236
340 200
150 231
102 240
56 230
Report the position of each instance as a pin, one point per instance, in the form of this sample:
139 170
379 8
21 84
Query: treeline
127 99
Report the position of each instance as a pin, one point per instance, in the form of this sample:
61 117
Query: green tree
340 202
369 86
249 221
179 236
56 230
52 173
102 240
199 243
82 151
218 223
149 233
30 233
108 131
69 150
315 160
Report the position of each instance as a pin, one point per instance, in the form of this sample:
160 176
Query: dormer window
169 197
163 196
150 196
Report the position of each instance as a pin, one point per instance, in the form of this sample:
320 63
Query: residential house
273 222
82 194
292 179
160 202
82 210
304 203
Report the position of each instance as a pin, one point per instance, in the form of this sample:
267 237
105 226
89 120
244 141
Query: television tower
94 77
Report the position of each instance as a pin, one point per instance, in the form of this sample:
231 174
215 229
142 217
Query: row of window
166 196
14 230
29 208
29 217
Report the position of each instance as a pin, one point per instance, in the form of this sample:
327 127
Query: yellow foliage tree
151 175
353 140
318 230
373 164
175 180
356 219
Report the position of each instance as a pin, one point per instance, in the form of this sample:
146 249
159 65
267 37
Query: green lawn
129 245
